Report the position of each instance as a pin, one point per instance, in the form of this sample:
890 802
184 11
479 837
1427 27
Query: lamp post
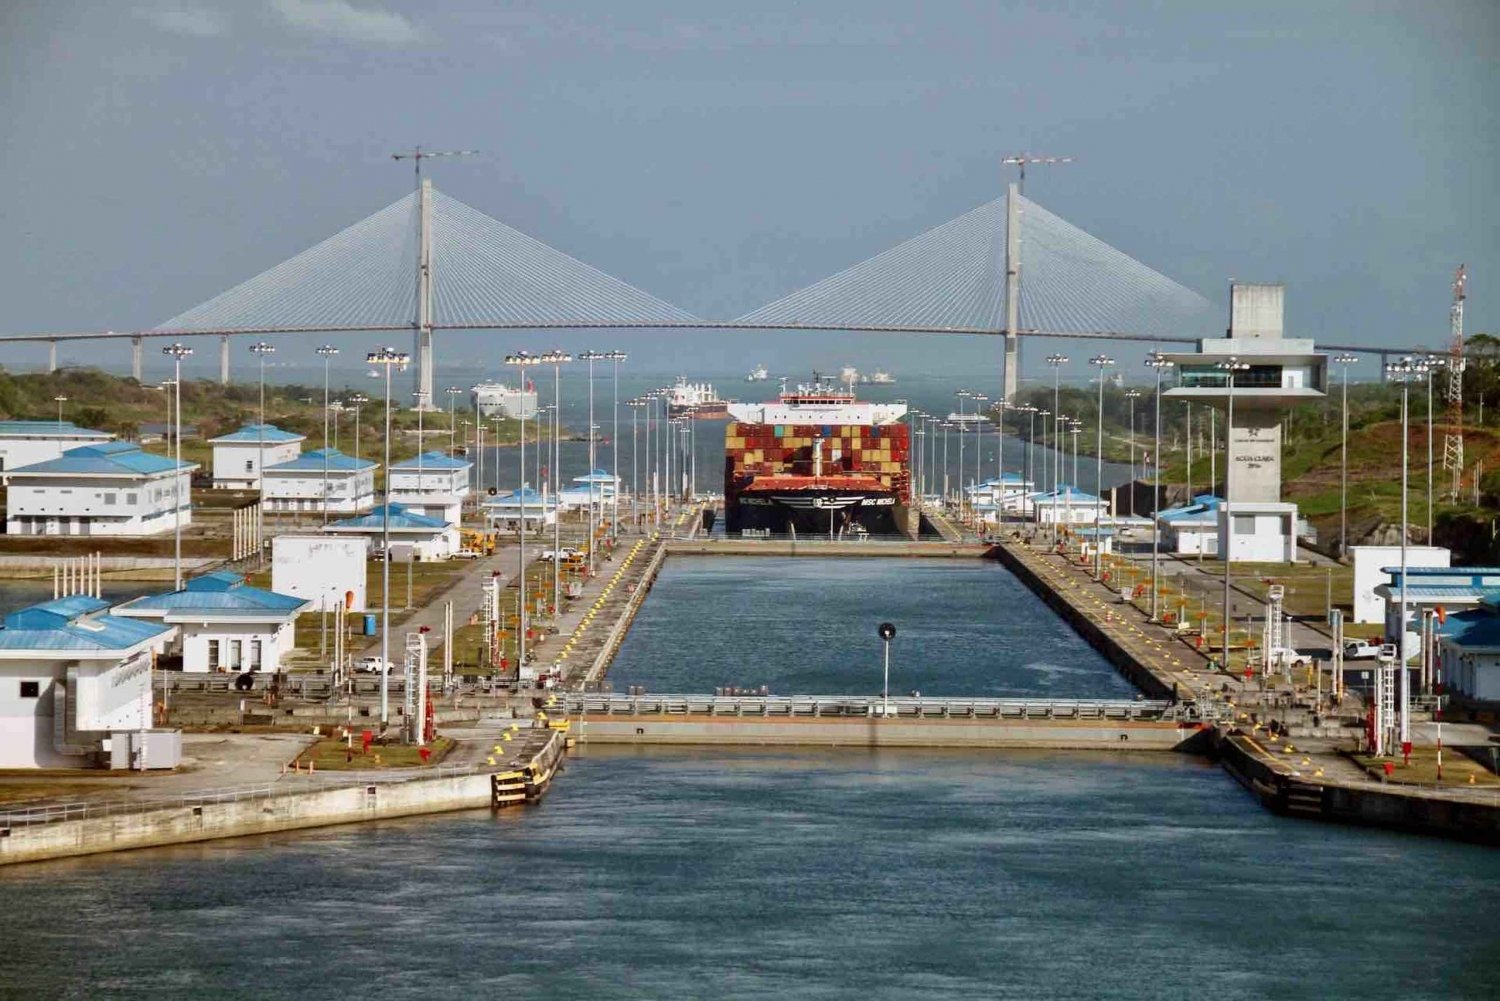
176 352
1188 441
1132 395
1000 406
1229 366
1160 364
326 352
453 394
1405 371
260 349
635 406
557 359
356 401
979 399
60 400
1057 361
1432 362
387 358
336 410
591 357
887 632
963 395
1101 362
1345 360
522 360
947 494
614 444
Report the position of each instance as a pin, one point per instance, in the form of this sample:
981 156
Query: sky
721 155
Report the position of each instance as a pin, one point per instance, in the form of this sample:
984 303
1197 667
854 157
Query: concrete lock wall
296 810
875 732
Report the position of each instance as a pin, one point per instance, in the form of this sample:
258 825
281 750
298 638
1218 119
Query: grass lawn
1457 768
334 754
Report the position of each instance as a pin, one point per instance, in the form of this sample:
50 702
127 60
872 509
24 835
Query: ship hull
716 411
817 514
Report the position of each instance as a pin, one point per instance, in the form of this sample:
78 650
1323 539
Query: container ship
816 462
695 399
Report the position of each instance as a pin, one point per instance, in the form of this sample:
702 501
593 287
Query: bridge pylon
1012 375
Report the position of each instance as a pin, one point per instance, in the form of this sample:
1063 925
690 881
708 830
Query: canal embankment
61 830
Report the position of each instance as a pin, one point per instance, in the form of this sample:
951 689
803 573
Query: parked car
1287 657
1361 650
372 665
466 554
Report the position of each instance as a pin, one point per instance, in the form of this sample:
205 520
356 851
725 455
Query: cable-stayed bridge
428 262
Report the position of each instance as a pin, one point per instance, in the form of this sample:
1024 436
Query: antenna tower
1453 438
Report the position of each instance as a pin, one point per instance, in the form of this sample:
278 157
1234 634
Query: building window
132 498
213 655
31 689
109 498
249 465
1244 524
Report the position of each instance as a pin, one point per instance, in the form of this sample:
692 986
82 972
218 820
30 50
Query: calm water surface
806 626
675 873
785 875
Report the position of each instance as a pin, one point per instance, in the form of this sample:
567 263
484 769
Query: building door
233 662
255 649
213 655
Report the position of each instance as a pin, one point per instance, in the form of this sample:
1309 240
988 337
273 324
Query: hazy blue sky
719 155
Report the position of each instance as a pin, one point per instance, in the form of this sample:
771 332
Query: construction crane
1453 438
418 154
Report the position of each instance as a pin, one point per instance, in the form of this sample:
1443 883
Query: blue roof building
110 488
1191 529
240 455
71 673
25 443
225 624
412 534
432 483
322 477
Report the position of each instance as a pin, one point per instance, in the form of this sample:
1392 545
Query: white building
597 488
323 570
223 623
299 484
25 443
433 484
1007 494
1067 505
503 513
1370 563
1191 529
1428 589
1469 654
413 536
71 676
112 488
240 455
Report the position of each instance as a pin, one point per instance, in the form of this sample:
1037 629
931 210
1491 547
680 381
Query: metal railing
905 707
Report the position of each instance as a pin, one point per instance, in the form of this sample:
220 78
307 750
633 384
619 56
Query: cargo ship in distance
696 400
816 462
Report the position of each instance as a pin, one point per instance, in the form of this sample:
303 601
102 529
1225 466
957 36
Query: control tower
1271 374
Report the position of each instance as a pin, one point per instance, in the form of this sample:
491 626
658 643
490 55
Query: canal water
807 626
807 874
795 873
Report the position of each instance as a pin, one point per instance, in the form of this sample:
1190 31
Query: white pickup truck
1361 650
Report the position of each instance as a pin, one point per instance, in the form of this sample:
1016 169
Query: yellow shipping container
734 444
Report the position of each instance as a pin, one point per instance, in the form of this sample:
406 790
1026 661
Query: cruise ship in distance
815 461
495 399
695 399
758 374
